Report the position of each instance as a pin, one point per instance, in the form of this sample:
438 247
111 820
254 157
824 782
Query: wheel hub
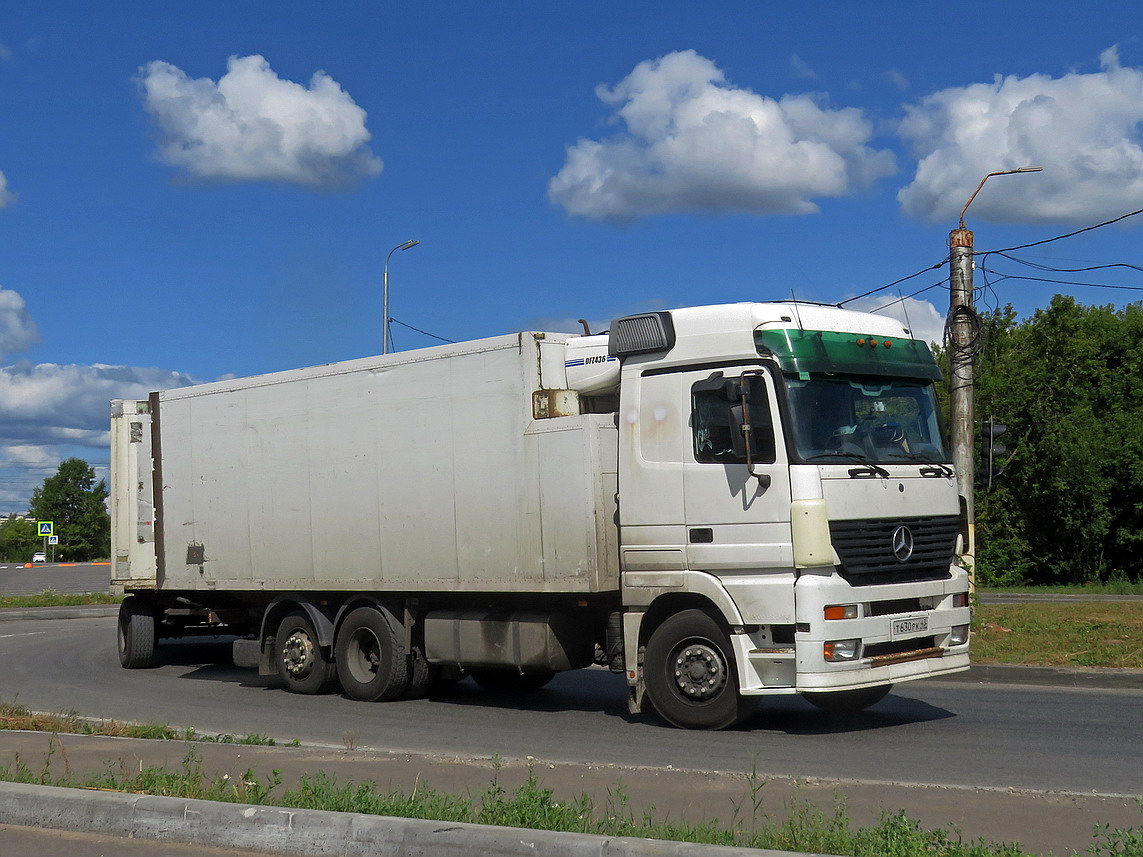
298 654
700 672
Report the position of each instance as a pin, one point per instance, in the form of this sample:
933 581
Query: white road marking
28 634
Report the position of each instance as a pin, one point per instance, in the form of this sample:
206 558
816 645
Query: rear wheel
137 635
422 676
848 701
302 665
690 673
511 681
372 663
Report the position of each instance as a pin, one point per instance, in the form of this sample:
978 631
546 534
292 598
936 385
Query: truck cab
785 486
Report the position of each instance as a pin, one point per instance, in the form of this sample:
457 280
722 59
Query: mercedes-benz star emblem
902 543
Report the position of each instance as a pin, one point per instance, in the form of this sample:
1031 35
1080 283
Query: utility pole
962 327
963 341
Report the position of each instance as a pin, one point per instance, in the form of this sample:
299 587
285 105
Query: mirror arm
748 435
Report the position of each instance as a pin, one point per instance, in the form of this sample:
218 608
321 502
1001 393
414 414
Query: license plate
907 627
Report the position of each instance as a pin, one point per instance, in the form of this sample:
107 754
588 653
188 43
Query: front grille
891 608
866 549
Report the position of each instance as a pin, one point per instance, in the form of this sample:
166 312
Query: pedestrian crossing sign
47 528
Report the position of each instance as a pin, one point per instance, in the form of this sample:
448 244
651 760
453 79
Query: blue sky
198 190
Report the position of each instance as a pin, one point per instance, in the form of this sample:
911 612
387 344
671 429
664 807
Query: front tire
372 663
690 673
847 701
137 633
302 665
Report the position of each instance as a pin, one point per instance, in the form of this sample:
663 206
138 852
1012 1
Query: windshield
886 420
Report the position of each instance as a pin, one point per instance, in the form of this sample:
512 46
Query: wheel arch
287 603
668 604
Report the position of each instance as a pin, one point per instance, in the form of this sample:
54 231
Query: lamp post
385 295
962 318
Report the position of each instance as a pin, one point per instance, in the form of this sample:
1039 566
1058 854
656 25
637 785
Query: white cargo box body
419 471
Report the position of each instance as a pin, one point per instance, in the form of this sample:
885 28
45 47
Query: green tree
76 503
1068 382
18 540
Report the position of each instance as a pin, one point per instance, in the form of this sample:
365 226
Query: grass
18 717
799 826
1080 634
49 598
1111 587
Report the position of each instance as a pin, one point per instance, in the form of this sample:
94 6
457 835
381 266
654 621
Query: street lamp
385 296
962 353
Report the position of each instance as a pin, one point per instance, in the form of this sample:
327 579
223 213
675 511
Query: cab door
736 497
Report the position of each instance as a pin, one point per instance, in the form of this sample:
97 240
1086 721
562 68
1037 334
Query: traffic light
990 451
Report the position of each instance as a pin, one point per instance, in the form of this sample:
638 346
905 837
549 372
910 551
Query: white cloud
52 411
1083 129
898 79
254 126
801 68
5 53
922 318
6 196
17 330
51 403
692 142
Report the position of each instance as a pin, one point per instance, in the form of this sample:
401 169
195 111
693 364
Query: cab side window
713 421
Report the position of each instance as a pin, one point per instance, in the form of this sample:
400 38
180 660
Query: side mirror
737 435
742 445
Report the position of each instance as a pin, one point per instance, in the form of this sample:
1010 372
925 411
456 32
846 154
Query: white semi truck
721 503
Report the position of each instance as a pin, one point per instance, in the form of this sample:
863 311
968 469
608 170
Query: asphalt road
926 732
16 579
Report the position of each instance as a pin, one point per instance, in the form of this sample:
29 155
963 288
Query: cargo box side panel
497 528
416 518
576 473
273 545
407 472
345 487
236 492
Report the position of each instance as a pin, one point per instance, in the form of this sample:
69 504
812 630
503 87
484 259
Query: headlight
958 635
841 650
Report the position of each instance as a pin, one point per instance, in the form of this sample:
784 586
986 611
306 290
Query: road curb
82 611
306 832
1102 678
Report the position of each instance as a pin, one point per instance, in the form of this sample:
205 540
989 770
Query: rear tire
422 676
371 659
302 665
137 633
690 673
848 701
511 681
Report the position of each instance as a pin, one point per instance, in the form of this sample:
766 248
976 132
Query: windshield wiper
935 468
868 468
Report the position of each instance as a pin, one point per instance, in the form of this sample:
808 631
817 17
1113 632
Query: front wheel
847 701
137 633
690 673
302 665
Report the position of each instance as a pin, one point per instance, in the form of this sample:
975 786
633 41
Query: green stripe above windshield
847 353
